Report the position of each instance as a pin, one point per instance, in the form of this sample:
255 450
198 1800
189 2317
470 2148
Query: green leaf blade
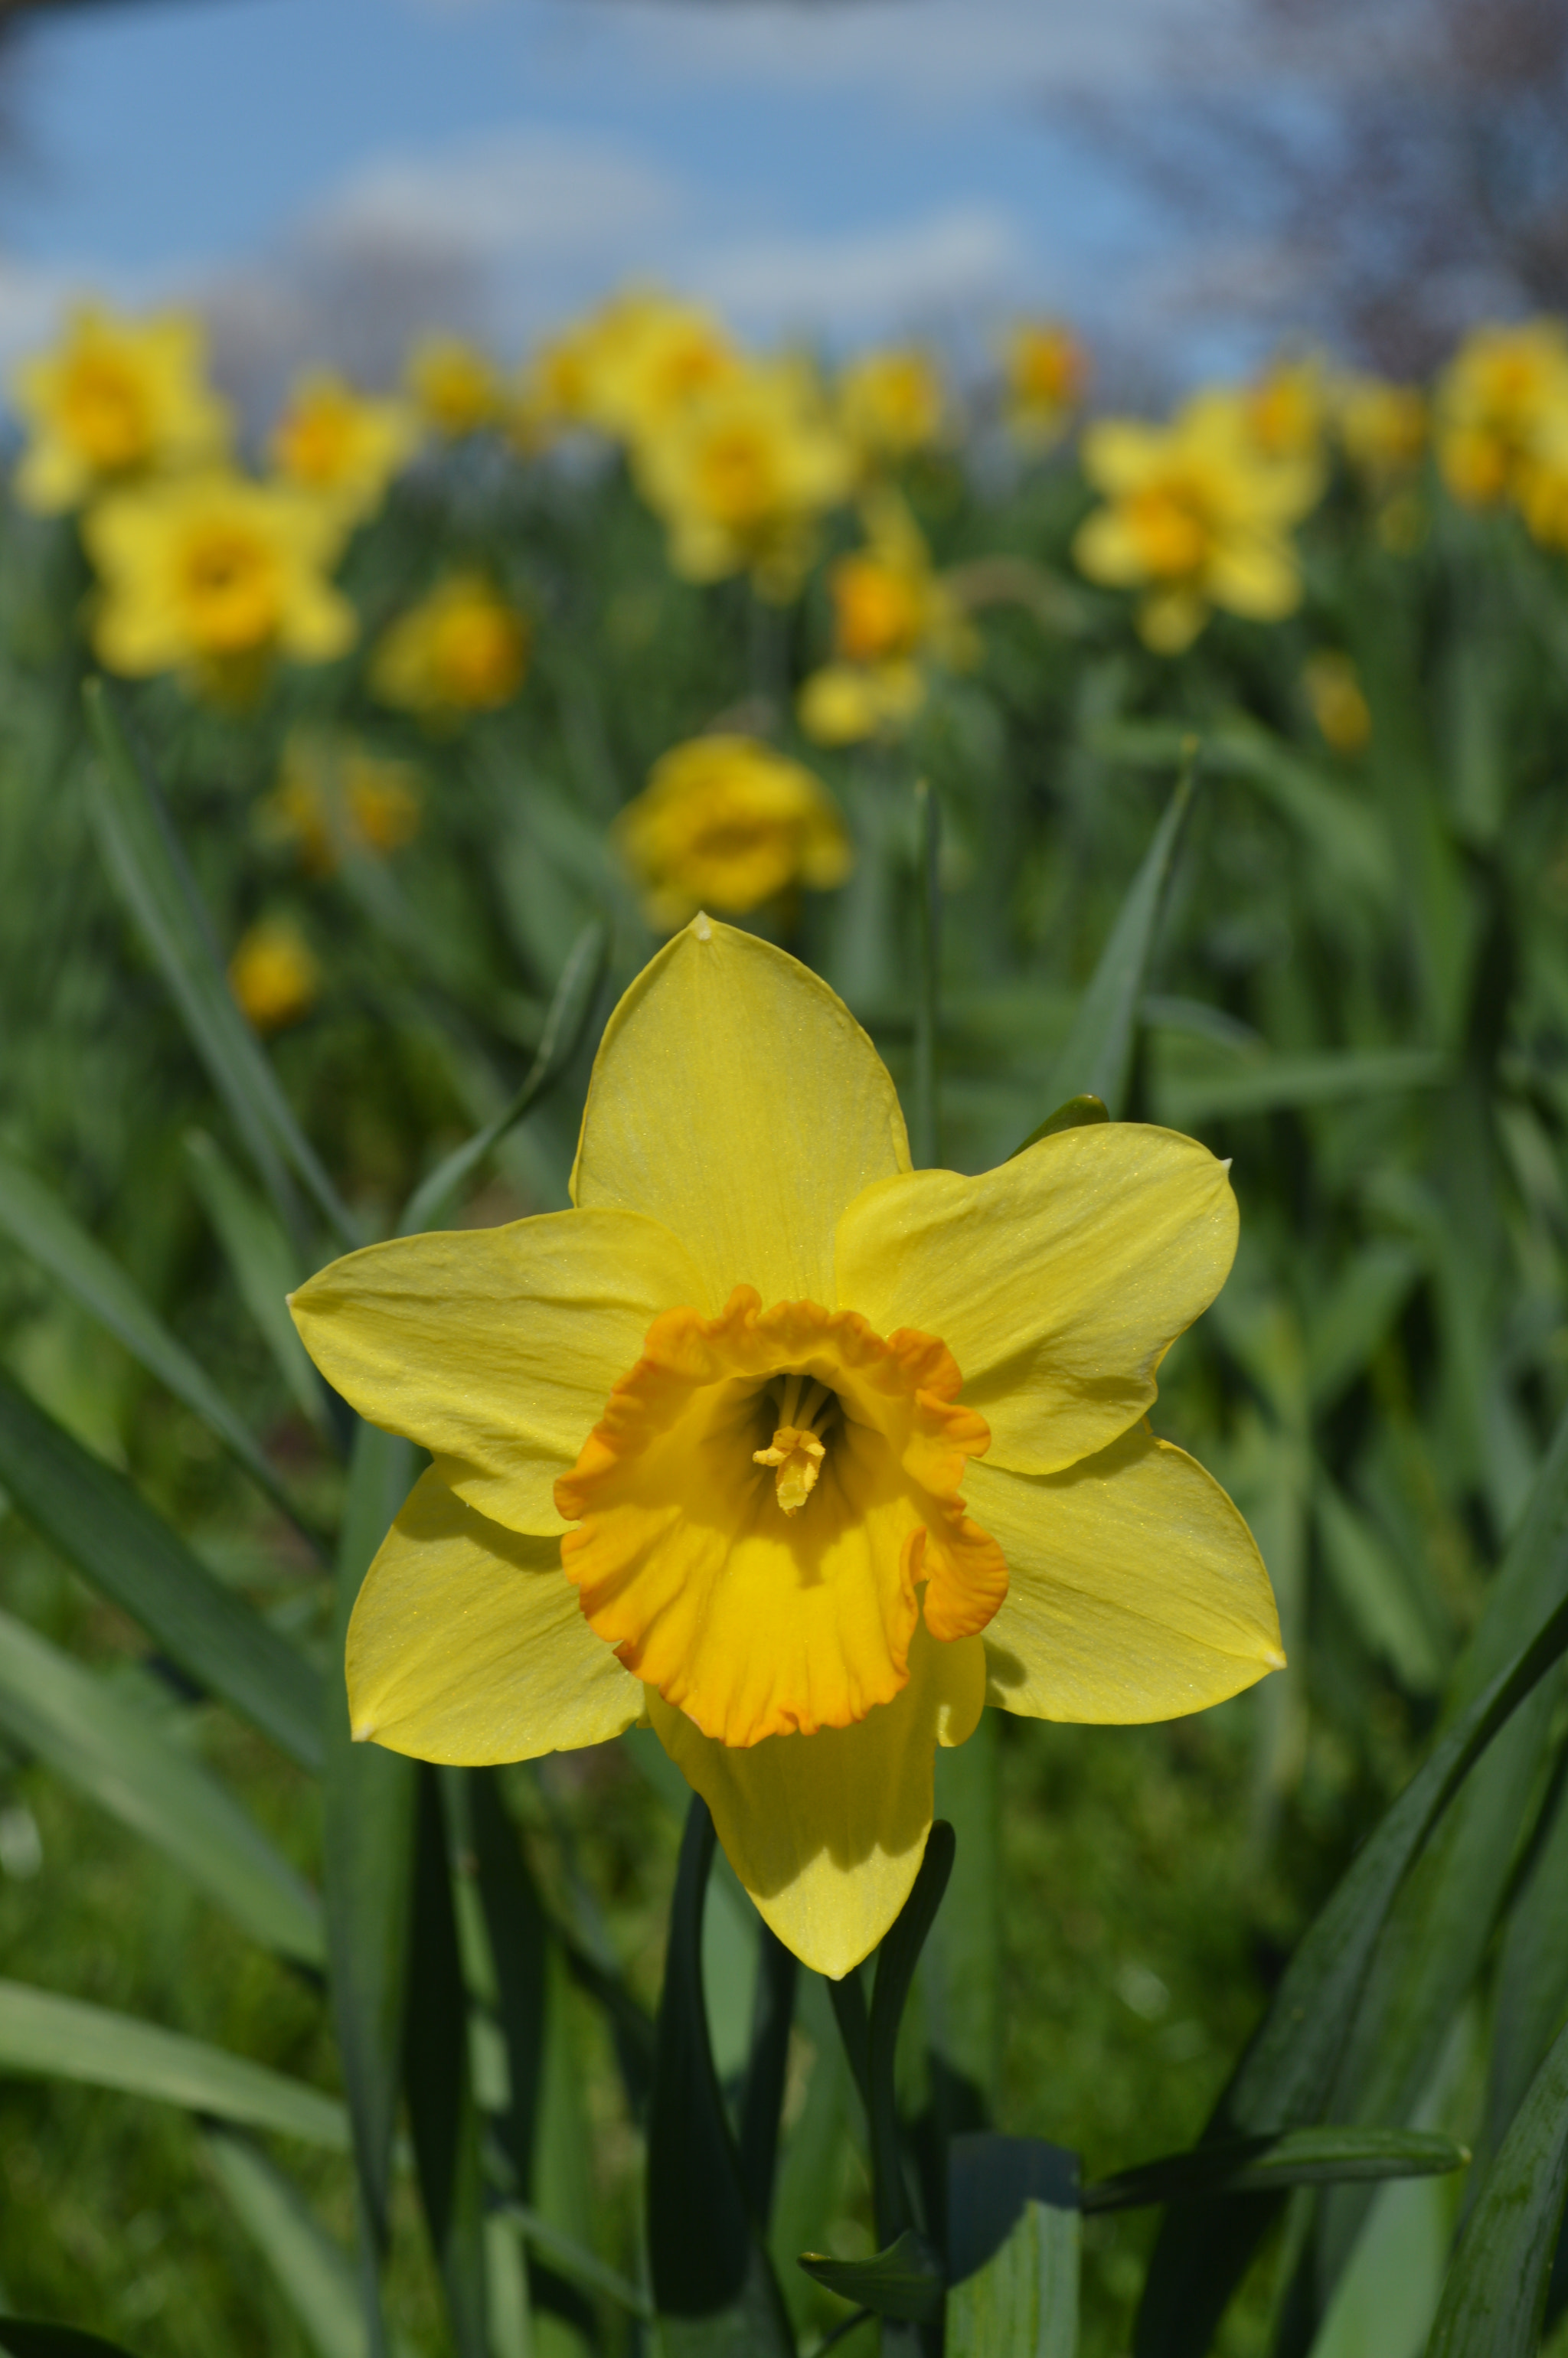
114 1538
46 2037
121 1758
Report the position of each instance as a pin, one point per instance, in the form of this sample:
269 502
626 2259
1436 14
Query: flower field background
1213 766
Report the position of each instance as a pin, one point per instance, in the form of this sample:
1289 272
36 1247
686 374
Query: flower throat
805 1409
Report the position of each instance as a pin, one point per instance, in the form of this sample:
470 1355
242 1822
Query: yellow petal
1254 576
467 1644
1135 1589
1170 620
736 1099
1106 548
495 1348
1058 1281
827 1832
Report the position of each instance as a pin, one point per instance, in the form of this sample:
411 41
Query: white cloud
858 281
536 194
937 52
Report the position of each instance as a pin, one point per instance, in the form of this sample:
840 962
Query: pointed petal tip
363 1731
702 926
1275 1658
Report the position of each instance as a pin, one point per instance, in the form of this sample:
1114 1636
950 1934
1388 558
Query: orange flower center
479 655
876 611
1168 529
229 588
762 1503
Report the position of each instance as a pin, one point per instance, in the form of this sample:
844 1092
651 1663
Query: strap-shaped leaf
315 2274
1266 1084
1324 2156
152 876
1098 1057
119 1756
263 1264
565 1024
1495 2297
1078 1113
46 2037
904 2281
23 2337
367 1866
896 1961
37 1221
1286 2077
713 2286
1013 2234
574 2260
442 2115
114 1540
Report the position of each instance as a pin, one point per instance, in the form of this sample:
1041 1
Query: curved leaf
1495 2297
114 1538
46 2037
121 1757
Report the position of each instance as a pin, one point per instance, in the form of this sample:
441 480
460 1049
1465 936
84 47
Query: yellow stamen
795 1450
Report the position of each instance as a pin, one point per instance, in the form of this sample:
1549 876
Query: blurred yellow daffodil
214 574
891 616
333 796
456 388
701 1446
1337 699
1045 373
462 649
1286 408
627 367
1382 425
1503 392
890 405
1195 517
343 446
274 975
115 398
726 823
742 473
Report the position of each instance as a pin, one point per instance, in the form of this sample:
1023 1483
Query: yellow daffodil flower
456 388
115 398
742 473
1505 389
1383 427
1045 371
462 649
890 405
331 797
1338 702
1286 408
343 446
726 823
626 368
892 617
799 1453
215 574
1195 517
274 975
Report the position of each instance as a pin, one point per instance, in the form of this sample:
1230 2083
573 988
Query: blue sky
844 171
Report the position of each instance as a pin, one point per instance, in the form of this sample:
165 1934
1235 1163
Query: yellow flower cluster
726 823
1197 514
1502 424
334 797
893 618
462 649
